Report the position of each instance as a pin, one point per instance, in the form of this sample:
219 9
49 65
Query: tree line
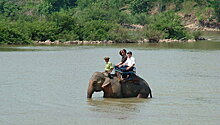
26 21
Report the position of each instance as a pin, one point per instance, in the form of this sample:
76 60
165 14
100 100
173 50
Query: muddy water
42 85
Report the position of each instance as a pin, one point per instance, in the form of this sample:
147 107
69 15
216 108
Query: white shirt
130 61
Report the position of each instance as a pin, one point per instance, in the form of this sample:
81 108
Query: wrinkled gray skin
112 88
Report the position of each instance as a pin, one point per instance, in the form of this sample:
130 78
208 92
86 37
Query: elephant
114 87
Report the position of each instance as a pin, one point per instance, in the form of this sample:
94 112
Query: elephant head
95 83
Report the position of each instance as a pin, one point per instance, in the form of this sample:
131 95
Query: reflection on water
117 108
14 48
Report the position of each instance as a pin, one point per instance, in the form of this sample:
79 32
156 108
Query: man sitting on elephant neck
108 66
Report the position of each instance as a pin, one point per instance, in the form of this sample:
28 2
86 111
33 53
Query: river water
46 85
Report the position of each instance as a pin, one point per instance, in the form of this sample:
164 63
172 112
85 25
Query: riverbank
77 42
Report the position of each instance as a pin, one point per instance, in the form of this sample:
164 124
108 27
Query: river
46 85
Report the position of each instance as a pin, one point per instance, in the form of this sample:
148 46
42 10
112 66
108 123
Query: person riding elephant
129 64
123 58
108 66
127 69
113 88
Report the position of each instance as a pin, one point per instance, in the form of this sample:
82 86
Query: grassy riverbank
25 22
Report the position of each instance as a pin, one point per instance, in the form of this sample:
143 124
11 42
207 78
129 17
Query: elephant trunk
90 91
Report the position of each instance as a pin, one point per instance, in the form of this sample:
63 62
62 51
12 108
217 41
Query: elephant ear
105 74
106 82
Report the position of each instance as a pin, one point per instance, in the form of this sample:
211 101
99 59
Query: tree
152 34
119 34
140 6
13 33
64 4
42 30
69 27
9 8
216 6
48 6
97 30
44 8
170 24
82 4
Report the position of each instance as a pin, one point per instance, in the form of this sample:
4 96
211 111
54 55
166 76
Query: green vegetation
169 24
216 6
26 21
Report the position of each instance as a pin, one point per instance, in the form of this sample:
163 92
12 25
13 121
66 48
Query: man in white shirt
129 63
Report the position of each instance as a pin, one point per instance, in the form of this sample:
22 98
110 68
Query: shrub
96 30
68 36
140 6
119 34
216 6
152 34
10 9
170 24
64 20
13 33
141 18
42 30
197 34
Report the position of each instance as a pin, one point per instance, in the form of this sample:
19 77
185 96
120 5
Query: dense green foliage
25 21
140 6
11 33
170 24
216 6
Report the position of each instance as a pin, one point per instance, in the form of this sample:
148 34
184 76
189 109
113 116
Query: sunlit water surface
46 85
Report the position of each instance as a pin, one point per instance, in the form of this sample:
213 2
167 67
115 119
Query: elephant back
135 86
145 88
